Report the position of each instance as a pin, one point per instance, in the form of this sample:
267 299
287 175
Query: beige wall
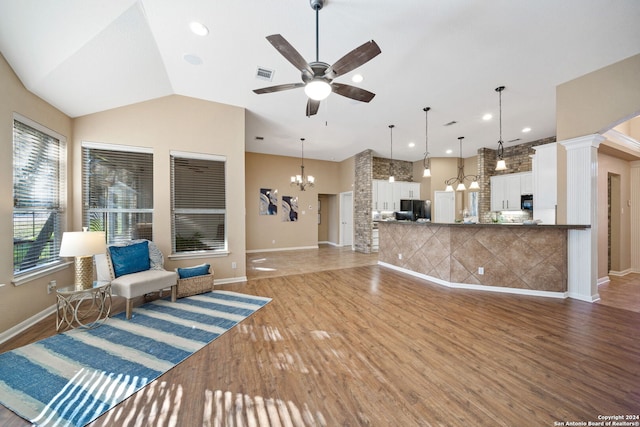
183 124
621 245
18 303
595 103
599 100
268 232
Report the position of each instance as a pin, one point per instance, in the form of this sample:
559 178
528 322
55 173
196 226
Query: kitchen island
514 258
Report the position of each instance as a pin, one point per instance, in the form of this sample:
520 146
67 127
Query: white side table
84 308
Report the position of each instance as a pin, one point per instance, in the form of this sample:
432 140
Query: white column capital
593 140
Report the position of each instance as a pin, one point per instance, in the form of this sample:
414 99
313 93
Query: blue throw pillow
130 259
198 270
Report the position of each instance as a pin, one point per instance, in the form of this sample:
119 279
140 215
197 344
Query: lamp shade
317 89
82 243
501 165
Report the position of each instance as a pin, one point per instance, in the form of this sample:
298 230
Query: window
117 191
38 186
198 203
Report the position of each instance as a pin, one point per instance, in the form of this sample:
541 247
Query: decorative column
634 210
582 203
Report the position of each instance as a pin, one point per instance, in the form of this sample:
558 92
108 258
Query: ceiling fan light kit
317 77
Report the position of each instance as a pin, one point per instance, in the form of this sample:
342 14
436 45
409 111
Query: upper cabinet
409 190
545 183
386 195
507 189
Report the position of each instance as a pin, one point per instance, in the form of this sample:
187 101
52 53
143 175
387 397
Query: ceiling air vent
452 122
514 140
264 74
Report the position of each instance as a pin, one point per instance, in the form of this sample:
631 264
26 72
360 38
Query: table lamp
83 245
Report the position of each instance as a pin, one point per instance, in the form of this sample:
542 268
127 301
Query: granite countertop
504 224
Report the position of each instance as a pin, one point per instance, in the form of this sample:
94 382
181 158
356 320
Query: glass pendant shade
501 165
392 179
461 187
426 173
317 89
449 188
474 186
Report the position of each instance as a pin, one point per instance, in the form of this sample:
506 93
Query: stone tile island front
513 258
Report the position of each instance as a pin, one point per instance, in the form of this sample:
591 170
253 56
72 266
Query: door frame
342 216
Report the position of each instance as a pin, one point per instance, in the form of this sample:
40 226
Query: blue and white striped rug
72 378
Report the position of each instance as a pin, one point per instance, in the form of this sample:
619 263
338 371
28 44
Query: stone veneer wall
402 170
524 257
362 200
518 159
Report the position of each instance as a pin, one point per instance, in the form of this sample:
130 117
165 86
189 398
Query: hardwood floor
362 345
621 292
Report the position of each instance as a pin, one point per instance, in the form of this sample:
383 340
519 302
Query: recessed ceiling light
487 116
192 59
199 29
357 78
527 129
449 151
412 144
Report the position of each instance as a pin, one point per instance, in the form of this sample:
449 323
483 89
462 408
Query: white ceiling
86 56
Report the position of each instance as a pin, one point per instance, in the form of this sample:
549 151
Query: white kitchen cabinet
409 190
526 183
386 195
505 192
545 183
444 205
383 197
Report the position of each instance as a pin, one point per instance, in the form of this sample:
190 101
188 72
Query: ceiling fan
317 76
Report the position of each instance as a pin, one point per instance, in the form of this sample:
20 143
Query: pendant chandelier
461 177
302 181
501 165
391 177
427 161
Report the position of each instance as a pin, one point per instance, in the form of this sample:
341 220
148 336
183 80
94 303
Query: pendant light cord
426 136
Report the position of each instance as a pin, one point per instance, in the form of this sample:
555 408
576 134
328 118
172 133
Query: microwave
526 202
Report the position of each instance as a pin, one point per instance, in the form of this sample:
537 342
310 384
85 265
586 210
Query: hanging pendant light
427 161
501 165
461 177
391 177
302 181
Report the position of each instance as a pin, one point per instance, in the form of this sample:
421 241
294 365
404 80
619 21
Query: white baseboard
603 280
26 324
329 243
253 251
499 289
620 273
229 280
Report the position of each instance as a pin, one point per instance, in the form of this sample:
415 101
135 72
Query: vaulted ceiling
86 56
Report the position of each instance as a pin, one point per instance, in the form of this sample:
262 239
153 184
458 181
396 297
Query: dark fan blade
354 59
289 52
312 107
352 92
278 88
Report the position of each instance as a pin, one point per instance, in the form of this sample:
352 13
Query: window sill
28 277
196 255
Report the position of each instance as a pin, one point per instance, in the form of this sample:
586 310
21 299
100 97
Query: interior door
346 219
444 204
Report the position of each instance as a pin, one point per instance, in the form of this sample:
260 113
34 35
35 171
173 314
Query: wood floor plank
363 345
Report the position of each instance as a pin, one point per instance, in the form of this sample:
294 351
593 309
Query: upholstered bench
134 269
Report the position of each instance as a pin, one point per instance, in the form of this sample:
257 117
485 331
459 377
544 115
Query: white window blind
198 203
37 187
117 191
